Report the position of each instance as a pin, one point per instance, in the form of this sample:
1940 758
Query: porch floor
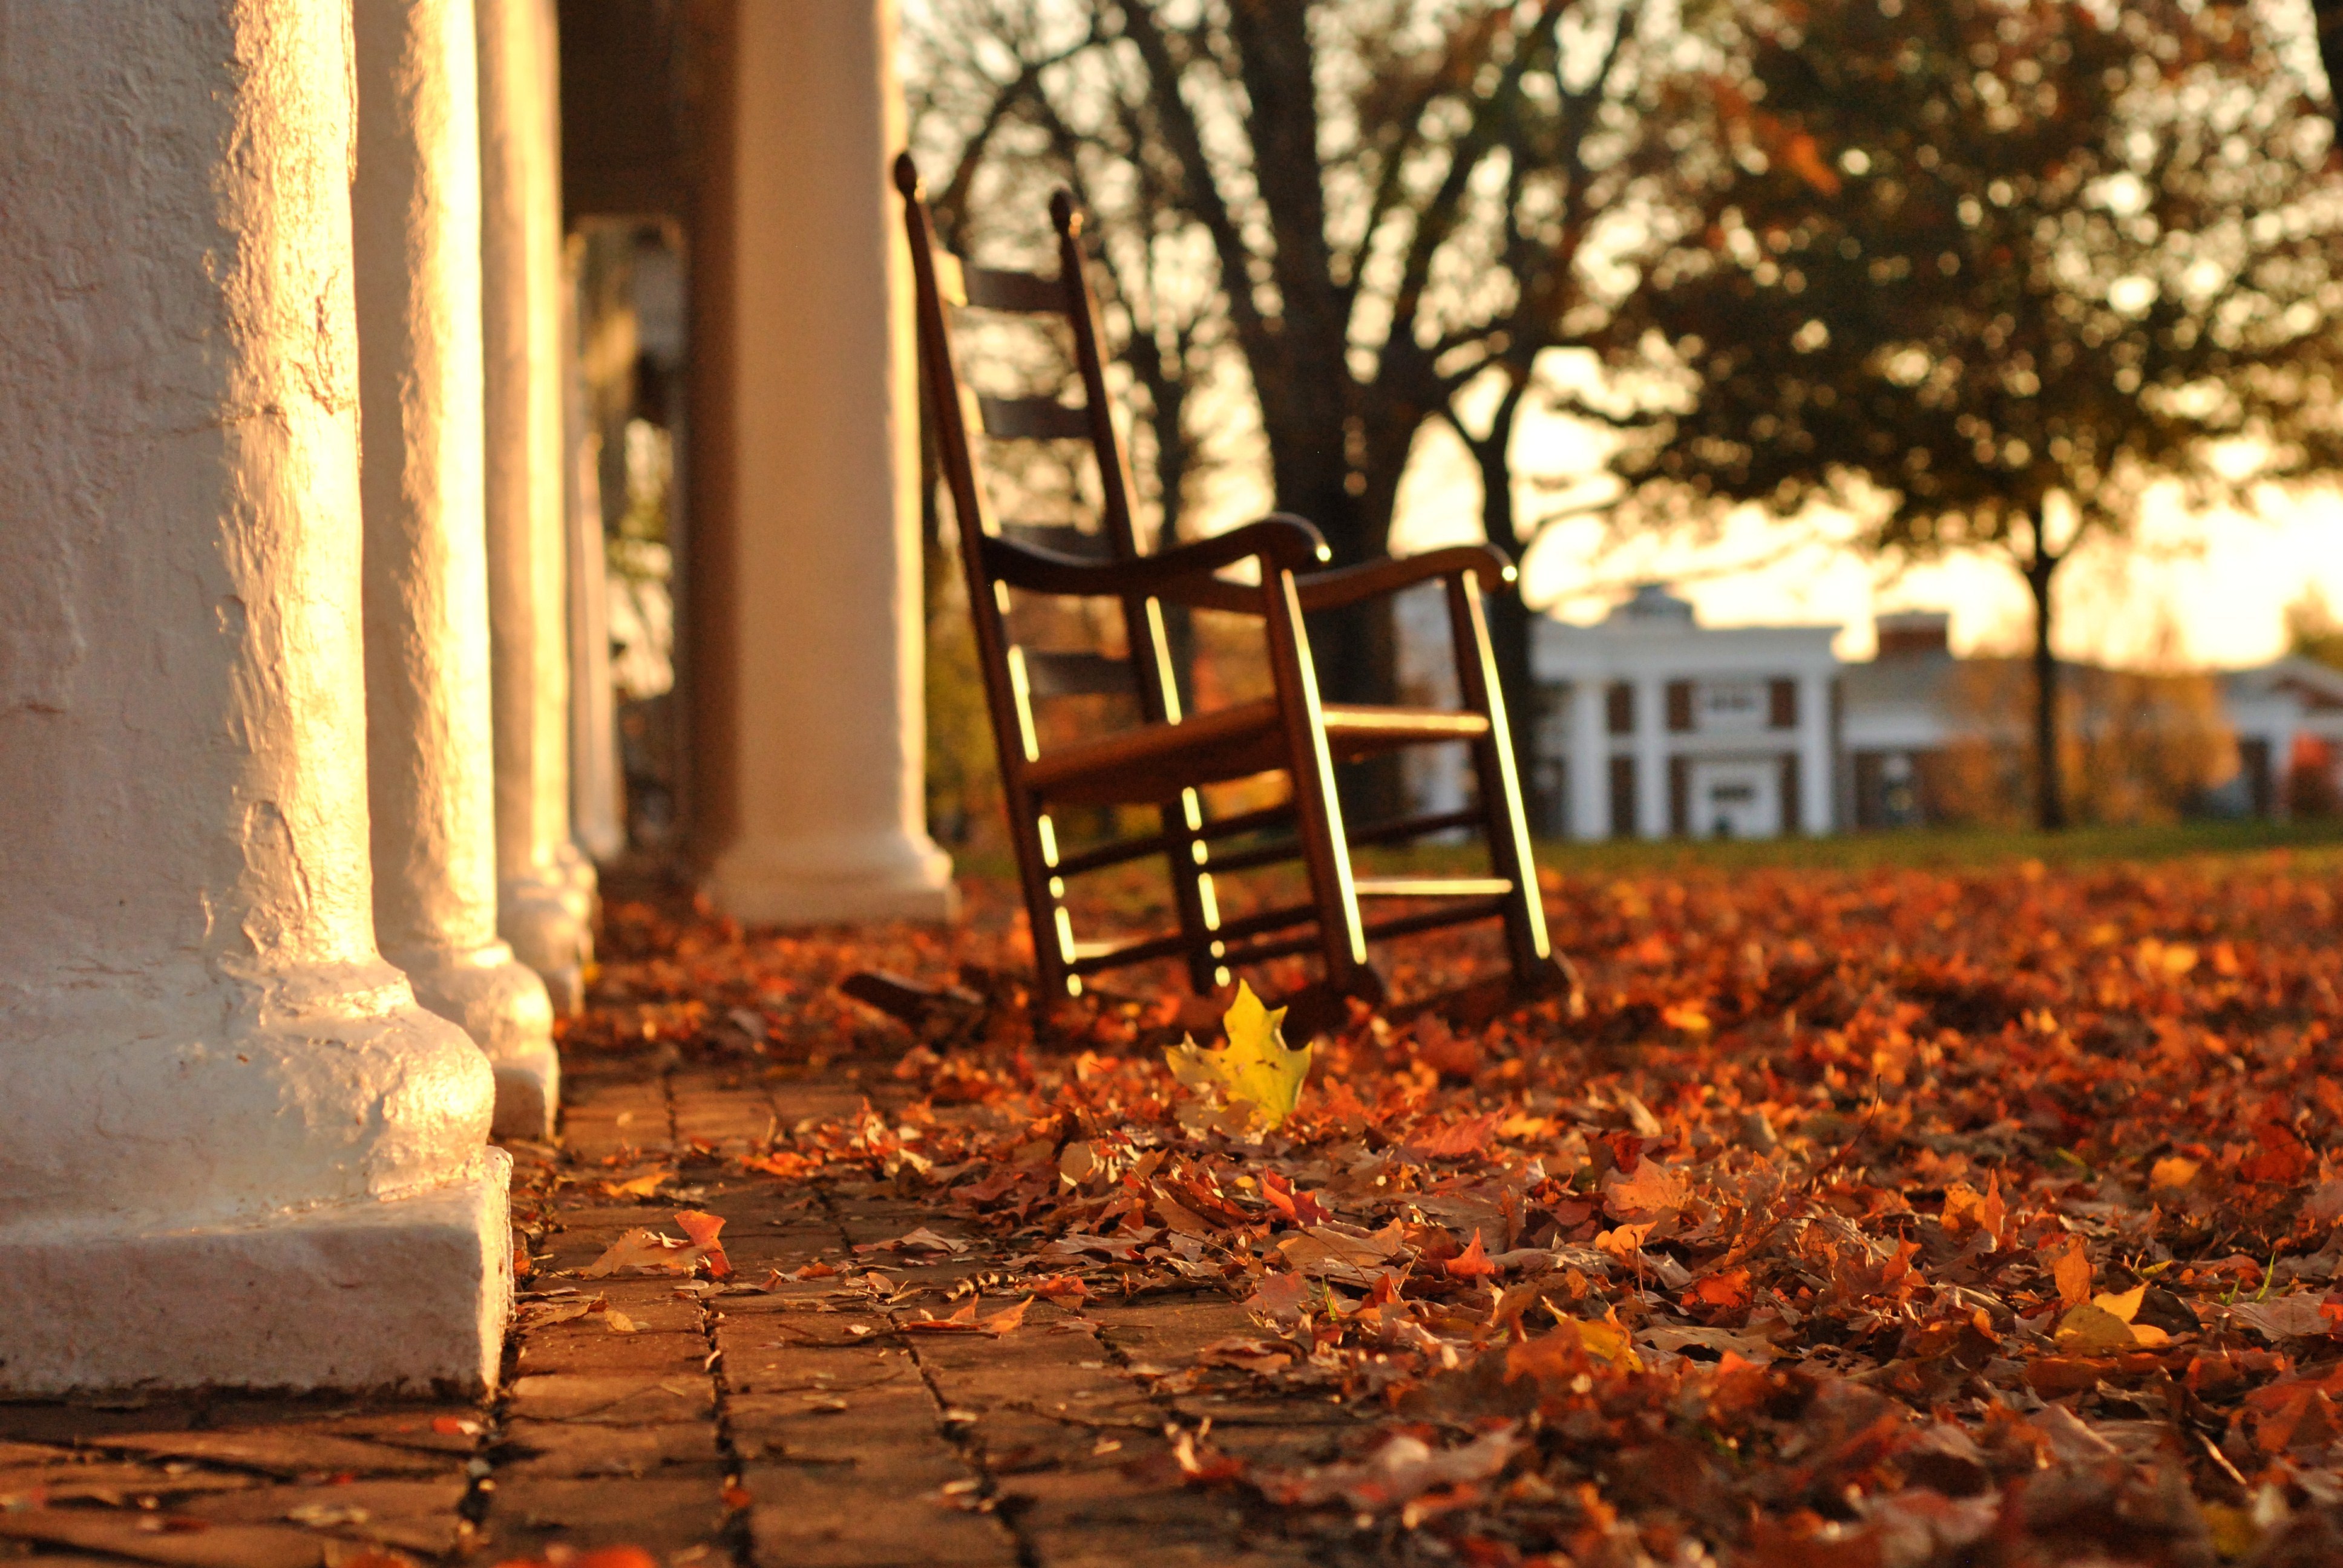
1832 1223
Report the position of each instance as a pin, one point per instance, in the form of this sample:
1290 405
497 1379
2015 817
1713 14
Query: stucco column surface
416 206
825 722
233 1149
545 888
596 811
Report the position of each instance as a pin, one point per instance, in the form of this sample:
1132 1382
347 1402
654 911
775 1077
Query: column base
550 925
795 885
506 1008
409 1293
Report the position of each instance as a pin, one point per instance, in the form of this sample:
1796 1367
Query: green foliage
1981 257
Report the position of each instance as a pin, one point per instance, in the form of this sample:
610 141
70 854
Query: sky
2208 592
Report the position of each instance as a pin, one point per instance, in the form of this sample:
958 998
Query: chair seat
1154 762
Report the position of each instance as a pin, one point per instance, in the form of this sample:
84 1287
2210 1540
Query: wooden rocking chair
1171 754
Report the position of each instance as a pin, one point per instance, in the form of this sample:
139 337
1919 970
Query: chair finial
906 175
1065 214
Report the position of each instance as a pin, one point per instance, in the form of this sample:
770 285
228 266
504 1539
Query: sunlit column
416 205
235 1150
594 808
1651 740
816 735
545 888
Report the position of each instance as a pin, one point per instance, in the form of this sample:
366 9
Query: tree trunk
2049 789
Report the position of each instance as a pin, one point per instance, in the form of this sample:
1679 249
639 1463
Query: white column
545 887
1817 786
1652 757
236 1152
1590 760
594 804
431 776
825 719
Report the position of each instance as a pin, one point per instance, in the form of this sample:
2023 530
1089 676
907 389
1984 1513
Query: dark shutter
1679 706
1781 704
1619 708
1622 796
1793 808
1680 796
1870 789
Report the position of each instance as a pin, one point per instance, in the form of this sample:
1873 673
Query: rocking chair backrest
1014 677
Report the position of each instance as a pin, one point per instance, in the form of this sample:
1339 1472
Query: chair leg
1502 824
1318 810
1031 832
1183 820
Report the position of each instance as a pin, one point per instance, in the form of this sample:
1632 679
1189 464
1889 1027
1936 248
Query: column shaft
234 1149
817 733
1590 760
595 809
546 889
1652 757
1816 782
416 206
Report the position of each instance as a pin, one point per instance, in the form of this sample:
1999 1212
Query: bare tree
1348 185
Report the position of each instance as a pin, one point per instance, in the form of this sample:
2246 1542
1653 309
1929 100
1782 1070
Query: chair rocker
1166 759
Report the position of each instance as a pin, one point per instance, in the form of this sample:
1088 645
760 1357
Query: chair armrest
1348 585
1184 574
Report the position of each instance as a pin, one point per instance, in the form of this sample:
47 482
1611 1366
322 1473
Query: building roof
2318 686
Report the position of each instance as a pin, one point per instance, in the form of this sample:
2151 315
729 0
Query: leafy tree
1987 270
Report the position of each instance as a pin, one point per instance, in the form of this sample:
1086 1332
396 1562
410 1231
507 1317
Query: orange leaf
1726 1291
2072 1270
703 1228
1474 1264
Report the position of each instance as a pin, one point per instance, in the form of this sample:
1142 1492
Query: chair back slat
1019 293
1032 419
1151 649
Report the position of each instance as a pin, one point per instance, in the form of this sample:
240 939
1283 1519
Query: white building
1649 725
1654 726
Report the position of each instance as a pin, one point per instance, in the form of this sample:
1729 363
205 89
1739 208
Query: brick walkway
796 1424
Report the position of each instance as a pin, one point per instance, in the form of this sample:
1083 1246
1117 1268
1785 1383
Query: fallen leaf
2294 1317
703 1228
1279 1297
643 1251
1472 1264
1255 1070
1404 1468
2173 1174
2071 1273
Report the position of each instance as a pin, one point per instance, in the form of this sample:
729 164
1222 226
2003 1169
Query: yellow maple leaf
1255 1070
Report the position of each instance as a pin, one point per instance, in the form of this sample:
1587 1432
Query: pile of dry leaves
1837 1217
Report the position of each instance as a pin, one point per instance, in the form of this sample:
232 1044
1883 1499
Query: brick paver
796 1425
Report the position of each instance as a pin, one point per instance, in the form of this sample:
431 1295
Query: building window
1619 708
1622 796
1728 708
1679 706
1782 703
1793 807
